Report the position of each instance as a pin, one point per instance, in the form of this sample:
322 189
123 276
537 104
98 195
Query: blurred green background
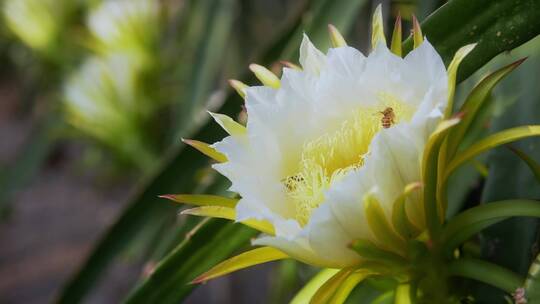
95 97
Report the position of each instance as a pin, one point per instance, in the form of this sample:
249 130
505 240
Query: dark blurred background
94 98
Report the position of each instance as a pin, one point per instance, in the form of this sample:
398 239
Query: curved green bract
432 209
485 272
475 219
489 142
531 163
497 26
474 102
311 287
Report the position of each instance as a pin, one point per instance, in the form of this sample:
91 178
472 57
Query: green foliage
513 243
207 244
497 26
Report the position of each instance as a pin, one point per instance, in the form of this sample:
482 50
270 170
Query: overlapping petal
316 101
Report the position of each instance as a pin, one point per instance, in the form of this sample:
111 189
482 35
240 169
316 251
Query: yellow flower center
327 158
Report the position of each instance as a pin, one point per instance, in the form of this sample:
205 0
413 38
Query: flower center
329 157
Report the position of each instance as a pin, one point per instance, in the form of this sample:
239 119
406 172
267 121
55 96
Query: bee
388 117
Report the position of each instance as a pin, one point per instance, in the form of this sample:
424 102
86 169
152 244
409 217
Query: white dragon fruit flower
331 158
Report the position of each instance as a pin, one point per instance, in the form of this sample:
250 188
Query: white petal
340 90
396 157
258 181
311 59
314 102
330 236
425 69
394 162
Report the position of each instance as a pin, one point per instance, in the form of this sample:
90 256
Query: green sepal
531 163
380 227
369 251
490 142
473 103
473 220
400 220
433 209
485 272
395 44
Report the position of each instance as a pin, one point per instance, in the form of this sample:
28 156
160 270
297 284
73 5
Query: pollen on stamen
328 158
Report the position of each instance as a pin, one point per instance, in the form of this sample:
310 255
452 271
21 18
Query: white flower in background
126 25
36 22
102 99
105 97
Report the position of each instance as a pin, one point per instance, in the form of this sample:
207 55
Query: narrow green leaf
307 292
325 293
229 214
208 43
341 14
345 289
485 272
202 199
513 242
474 103
433 210
452 74
533 165
490 142
241 261
30 159
497 26
208 244
482 216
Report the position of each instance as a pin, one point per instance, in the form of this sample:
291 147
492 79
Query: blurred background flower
103 100
96 95
131 27
109 97
38 23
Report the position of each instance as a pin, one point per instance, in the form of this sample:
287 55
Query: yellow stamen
327 158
